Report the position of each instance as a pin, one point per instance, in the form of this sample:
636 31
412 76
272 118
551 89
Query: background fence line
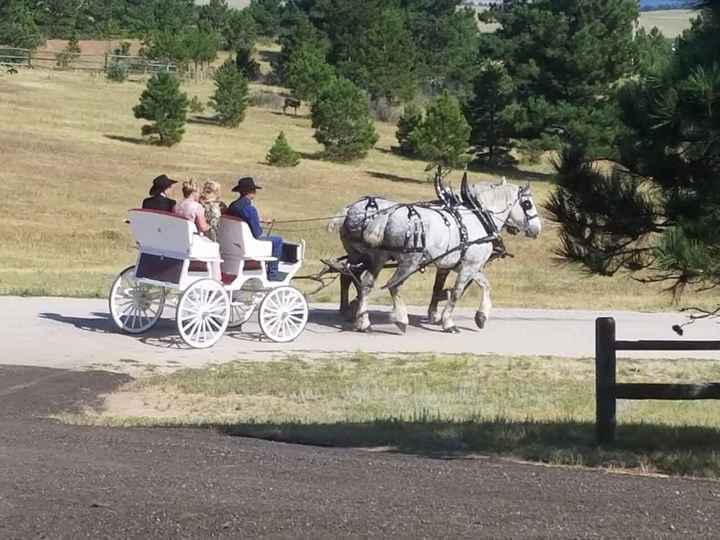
14 57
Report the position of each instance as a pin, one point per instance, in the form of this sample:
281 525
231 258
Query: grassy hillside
73 164
671 22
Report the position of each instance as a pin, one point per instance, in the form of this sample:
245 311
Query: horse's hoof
365 330
402 327
452 330
480 320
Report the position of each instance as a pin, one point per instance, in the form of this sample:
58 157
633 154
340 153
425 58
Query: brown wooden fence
83 62
608 391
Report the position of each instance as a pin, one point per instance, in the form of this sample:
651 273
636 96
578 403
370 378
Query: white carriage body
173 254
168 245
245 258
221 284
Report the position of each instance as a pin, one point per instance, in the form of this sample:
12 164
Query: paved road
68 482
73 333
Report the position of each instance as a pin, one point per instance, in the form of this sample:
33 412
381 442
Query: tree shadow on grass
317 156
271 57
131 140
511 172
395 177
203 120
643 447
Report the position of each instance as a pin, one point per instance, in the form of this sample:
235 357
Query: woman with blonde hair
213 207
190 208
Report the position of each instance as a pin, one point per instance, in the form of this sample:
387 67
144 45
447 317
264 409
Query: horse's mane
493 192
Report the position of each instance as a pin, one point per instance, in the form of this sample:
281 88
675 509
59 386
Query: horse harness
448 207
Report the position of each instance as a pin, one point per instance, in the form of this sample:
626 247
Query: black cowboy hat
246 185
160 184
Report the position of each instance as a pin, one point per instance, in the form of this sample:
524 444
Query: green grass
538 409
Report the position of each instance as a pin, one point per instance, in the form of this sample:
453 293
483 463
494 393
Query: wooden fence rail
608 391
80 62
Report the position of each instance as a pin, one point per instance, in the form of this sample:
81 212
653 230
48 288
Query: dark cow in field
291 103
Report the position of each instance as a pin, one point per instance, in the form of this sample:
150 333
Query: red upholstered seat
252 265
227 279
197 266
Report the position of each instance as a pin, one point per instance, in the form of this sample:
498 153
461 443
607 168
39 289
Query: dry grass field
671 22
73 163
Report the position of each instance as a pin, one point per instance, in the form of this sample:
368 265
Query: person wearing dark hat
244 209
158 199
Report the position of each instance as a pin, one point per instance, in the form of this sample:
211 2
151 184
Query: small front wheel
203 313
135 307
283 314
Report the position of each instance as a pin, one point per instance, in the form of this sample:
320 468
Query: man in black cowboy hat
158 199
243 208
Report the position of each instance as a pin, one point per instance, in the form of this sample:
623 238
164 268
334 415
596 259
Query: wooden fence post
605 379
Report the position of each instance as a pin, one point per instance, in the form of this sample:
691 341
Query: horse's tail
374 231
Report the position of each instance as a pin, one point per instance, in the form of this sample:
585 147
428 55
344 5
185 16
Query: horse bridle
526 205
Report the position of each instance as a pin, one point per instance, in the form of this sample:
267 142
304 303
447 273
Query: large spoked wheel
203 313
135 307
283 314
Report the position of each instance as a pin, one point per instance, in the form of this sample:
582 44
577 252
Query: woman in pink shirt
190 208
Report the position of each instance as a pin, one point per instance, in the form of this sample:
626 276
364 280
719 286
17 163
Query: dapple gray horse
376 232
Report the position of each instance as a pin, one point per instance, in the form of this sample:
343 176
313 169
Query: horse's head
512 207
524 214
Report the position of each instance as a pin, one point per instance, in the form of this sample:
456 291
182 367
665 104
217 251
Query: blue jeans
273 267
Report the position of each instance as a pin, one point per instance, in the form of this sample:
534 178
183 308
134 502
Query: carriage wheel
283 314
135 307
203 313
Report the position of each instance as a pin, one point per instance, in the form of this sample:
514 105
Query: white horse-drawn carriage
218 285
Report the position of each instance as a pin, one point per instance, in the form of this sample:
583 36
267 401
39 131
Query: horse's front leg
483 313
367 283
464 277
406 267
437 295
348 308
399 313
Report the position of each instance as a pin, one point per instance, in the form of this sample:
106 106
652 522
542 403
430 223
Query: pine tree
446 38
231 98
410 119
241 31
565 58
658 212
17 25
165 106
307 72
214 16
300 33
281 154
489 112
443 137
267 14
246 63
342 122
